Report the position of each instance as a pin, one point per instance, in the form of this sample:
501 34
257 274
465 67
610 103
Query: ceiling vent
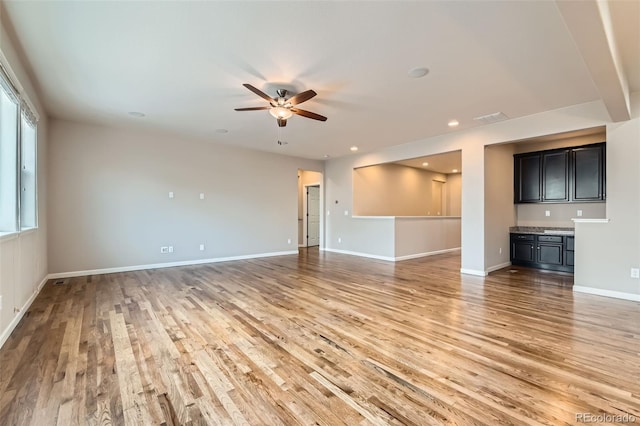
491 118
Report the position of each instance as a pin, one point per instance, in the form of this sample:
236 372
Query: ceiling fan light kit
281 113
281 108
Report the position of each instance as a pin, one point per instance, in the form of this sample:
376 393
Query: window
28 208
8 158
18 165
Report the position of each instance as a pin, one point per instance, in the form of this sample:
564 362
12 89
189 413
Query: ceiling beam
589 22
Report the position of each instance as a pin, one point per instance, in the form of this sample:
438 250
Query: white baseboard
607 293
496 267
475 272
14 322
425 254
355 253
166 265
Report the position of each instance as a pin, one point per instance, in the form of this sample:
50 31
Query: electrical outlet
202 195
164 250
500 250
171 194
170 249
201 247
346 212
635 273
339 240
547 213
288 240
579 212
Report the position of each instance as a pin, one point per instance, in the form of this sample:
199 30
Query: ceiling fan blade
301 97
252 108
260 93
281 122
308 114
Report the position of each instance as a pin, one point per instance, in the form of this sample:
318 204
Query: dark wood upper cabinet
527 182
588 177
555 176
561 175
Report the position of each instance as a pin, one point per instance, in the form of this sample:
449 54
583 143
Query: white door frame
304 213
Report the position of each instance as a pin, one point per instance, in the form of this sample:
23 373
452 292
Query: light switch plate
547 213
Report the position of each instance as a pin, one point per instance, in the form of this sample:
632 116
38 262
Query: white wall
620 139
23 257
109 198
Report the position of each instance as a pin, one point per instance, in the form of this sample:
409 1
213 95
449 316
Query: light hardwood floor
320 338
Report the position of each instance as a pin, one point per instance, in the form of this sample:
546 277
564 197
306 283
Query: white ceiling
183 64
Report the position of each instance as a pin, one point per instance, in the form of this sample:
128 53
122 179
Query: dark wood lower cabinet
542 251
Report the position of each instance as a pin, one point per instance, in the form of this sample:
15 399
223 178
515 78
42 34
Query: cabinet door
588 174
569 251
555 176
549 253
527 183
522 251
569 258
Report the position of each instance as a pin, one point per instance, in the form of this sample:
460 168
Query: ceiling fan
282 107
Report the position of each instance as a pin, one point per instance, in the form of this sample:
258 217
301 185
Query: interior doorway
313 216
310 206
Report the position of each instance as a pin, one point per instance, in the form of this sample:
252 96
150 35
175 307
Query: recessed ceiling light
455 170
222 131
453 123
137 114
418 72
425 164
354 148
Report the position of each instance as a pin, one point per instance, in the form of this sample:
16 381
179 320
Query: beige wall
500 211
395 190
23 257
454 194
110 205
560 214
526 146
415 236
608 251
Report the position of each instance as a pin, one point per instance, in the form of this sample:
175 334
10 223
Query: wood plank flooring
321 338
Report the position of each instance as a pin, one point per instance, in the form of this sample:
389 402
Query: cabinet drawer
550 238
523 237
